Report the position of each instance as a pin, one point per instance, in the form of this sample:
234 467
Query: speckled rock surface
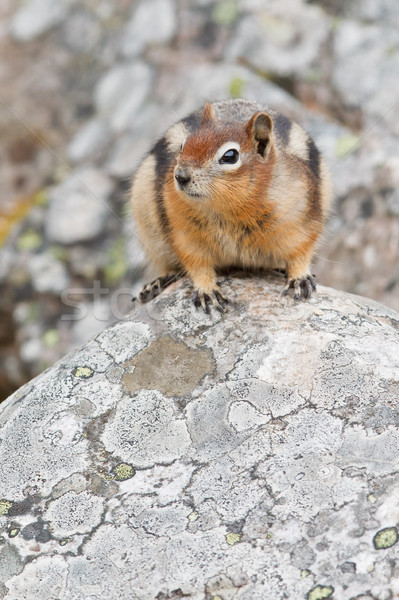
89 86
252 455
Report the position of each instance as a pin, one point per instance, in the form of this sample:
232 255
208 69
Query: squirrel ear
259 128
207 113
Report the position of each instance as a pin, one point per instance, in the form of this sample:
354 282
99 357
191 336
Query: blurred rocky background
86 86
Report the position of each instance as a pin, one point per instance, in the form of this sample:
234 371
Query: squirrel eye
230 157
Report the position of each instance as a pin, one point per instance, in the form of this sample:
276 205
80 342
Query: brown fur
266 210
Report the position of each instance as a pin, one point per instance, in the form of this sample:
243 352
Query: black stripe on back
314 158
283 127
314 206
163 158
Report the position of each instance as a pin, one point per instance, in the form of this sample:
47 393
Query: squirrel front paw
302 286
155 287
214 298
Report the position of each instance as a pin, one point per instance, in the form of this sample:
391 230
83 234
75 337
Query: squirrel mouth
192 194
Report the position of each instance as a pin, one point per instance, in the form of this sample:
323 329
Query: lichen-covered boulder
246 456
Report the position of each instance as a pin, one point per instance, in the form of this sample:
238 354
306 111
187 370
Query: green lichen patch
385 538
65 541
123 471
2 539
106 477
346 144
237 85
225 12
83 372
320 592
59 252
14 532
305 573
193 516
116 268
233 538
29 240
33 312
51 337
5 506
41 198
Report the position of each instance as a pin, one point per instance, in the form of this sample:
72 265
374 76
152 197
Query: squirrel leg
206 290
299 277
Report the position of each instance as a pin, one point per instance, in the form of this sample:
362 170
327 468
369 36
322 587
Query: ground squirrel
232 185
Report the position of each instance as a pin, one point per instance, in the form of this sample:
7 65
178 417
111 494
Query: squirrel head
221 157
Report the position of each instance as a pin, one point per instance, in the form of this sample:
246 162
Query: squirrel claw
155 287
303 287
204 301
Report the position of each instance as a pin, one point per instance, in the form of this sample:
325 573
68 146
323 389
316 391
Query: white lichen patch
145 430
313 433
233 491
388 511
36 449
63 429
256 443
100 393
250 361
93 357
378 453
306 486
74 513
163 484
163 521
244 416
269 399
211 433
44 578
293 360
125 340
387 366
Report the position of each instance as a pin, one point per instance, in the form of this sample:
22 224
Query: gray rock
90 319
249 455
90 141
281 40
129 151
137 139
7 259
224 80
31 350
78 207
36 17
365 58
48 274
82 32
121 93
374 10
152 22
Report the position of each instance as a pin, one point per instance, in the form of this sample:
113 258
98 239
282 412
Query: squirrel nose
182 176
